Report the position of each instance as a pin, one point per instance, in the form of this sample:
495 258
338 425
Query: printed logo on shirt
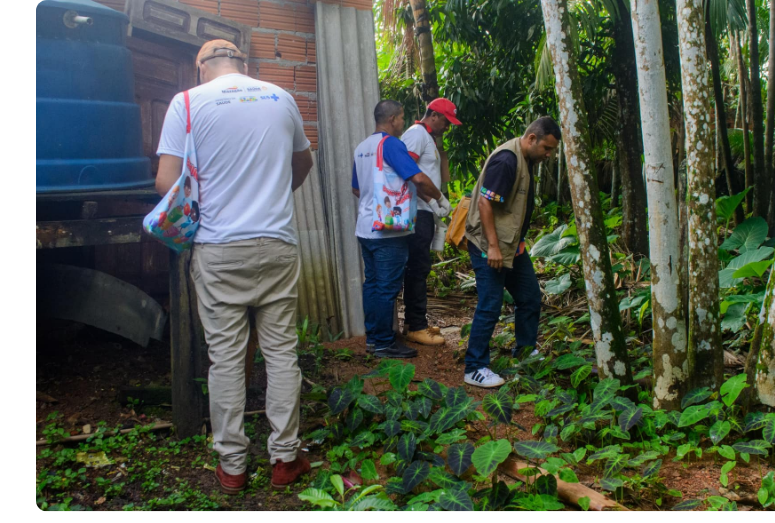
273 97
234 89
248 99
260 88
223 101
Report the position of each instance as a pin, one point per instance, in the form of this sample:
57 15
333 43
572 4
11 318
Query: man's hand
494 257
440 207
521 248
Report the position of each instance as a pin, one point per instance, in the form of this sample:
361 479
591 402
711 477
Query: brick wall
282 48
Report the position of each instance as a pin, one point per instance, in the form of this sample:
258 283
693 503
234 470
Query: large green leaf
747 236
689 504
734 319
369 470
415 474
718 431
726 205
535 449
487 457
568 361
630 417
753 270
445 480
391 428
401 376
768 432
499 406
692 415
370 403
725 276
652 468
558 285
406 447
354 419
607 387
567 257
455 396
340 399
430 389
580 375
695 396
455 499
459 457
732 388
755 446
373 503
552 243
364 439
424 406
318 497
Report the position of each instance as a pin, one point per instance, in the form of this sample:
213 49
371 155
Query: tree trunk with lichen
671 366
769 131
629 145
706 355
765 363
606 322
422 29
761 190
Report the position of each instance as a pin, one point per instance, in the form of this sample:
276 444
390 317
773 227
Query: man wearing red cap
252 153
422 141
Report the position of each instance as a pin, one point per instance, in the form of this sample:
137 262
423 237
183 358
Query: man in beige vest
498 220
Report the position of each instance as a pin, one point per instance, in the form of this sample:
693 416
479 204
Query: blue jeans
384 260
522 284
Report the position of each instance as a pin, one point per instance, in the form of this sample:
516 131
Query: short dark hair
386 109
544 126
428 113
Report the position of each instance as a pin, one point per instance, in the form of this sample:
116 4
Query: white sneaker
484 378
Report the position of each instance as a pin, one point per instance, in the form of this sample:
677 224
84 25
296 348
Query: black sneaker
396 350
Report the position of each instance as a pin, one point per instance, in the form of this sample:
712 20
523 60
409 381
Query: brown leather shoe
283 474
434 330
230 483
426 337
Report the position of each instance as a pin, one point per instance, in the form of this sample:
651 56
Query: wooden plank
187 399
81 233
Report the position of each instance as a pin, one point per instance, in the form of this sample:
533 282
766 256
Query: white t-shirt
245 132
420 143
396 160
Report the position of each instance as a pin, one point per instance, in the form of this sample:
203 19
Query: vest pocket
506 230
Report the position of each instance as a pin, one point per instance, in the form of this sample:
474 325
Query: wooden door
161 71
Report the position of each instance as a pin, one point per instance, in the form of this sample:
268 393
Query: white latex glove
440 207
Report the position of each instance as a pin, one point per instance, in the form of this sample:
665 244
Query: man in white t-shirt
421 141
252 153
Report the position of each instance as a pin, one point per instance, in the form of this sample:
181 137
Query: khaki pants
259 273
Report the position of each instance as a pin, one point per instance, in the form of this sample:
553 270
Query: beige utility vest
508 215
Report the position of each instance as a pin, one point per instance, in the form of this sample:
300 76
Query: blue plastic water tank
89 134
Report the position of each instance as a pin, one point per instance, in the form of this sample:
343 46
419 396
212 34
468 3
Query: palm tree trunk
743 105
706 355
629 144
422 29
761 190
770 129
711 47
671 381
606 322
765 363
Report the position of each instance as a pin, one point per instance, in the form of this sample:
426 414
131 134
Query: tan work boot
433 330
425 337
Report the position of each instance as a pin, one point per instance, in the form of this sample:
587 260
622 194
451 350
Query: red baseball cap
445 107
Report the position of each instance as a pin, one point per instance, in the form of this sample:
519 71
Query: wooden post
187 350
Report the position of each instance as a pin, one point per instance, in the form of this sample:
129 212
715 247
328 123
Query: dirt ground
81 370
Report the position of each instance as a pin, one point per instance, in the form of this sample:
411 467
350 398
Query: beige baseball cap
218 49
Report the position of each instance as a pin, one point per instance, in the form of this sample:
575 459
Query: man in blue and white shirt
385 252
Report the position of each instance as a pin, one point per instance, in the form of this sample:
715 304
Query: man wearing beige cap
252 153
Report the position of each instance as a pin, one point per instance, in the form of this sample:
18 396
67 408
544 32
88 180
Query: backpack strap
188 112
379 152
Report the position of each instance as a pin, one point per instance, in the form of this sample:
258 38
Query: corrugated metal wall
348 90
317 294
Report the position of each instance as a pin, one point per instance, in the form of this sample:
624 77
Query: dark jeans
417 270
384 260
522 284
